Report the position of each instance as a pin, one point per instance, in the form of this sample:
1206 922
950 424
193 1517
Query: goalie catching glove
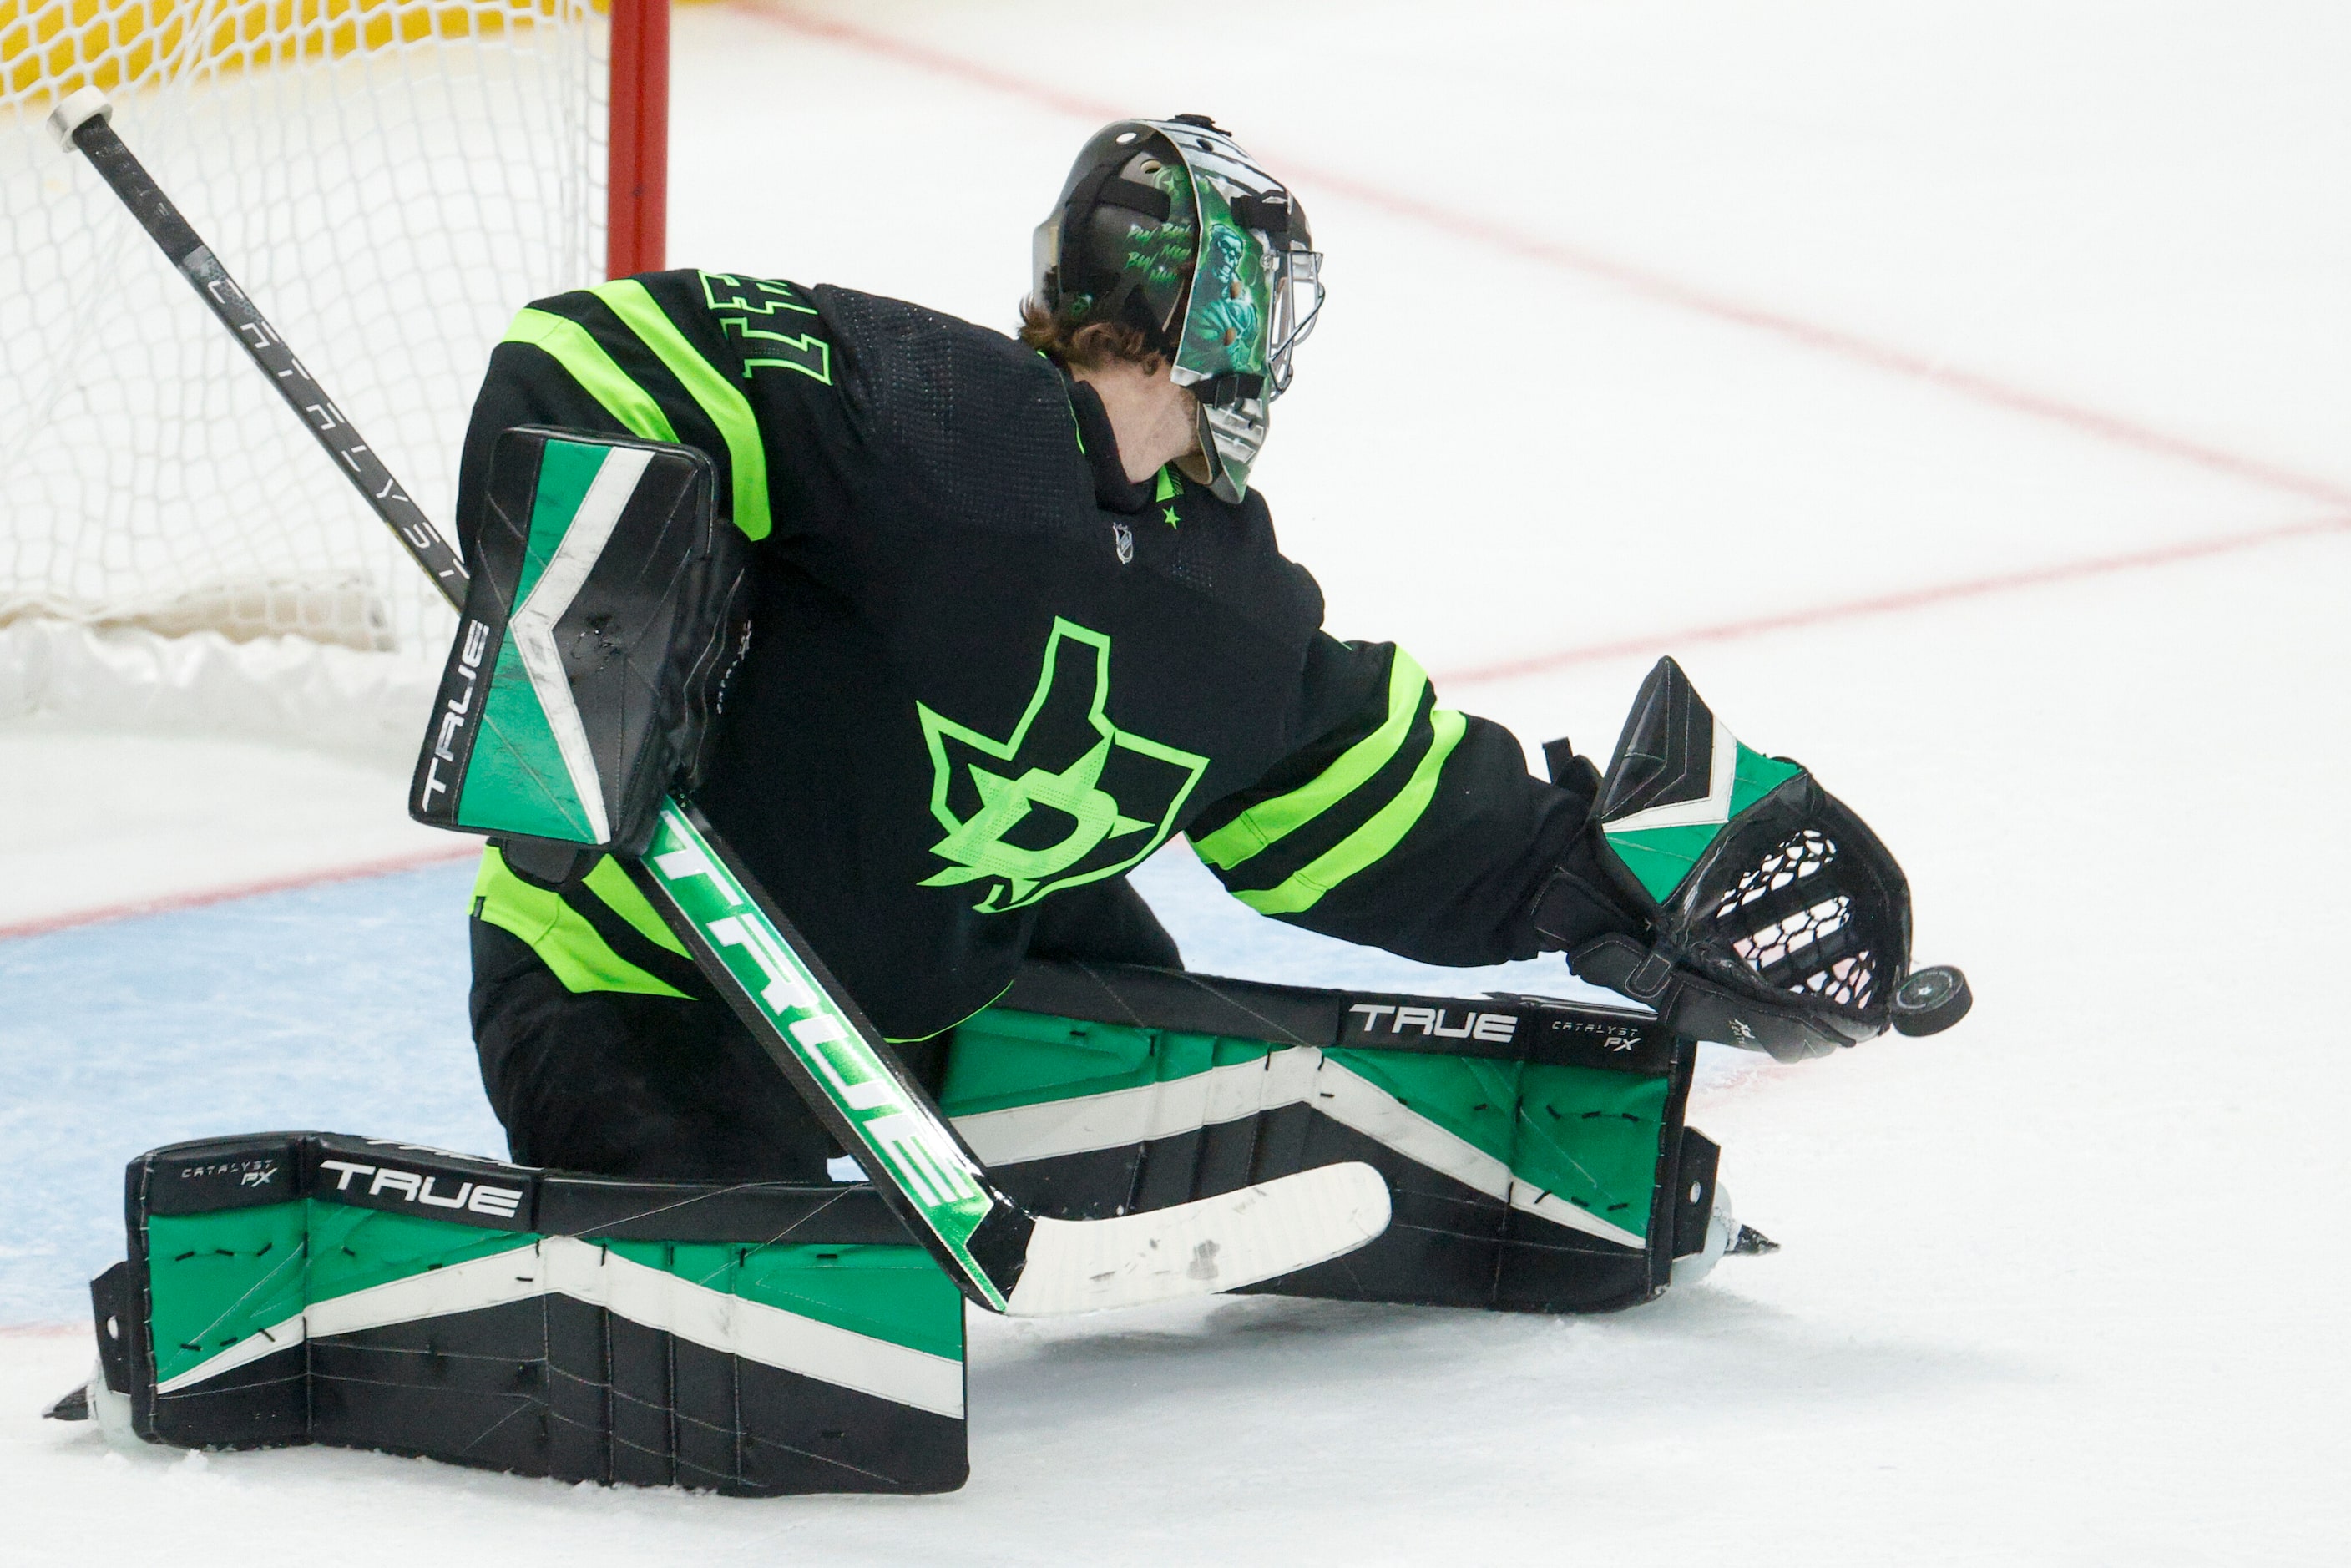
1777 920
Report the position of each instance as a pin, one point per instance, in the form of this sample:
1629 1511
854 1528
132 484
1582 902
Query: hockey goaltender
1015 618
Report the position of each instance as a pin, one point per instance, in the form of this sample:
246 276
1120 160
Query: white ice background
1644 321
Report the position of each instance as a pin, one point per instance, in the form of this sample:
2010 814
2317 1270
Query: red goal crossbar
637 219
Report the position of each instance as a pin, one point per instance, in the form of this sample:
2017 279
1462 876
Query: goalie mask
1169 227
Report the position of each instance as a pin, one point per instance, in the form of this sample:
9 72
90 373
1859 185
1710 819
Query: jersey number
736 300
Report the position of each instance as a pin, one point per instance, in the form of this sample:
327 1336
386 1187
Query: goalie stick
1001 1256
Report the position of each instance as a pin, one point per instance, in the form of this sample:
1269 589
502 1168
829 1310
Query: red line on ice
168 903
1900 599
1649 285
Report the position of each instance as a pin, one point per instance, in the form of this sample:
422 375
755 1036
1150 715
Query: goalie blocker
573 699
764 1340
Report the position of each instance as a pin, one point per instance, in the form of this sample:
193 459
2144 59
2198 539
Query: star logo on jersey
1069 798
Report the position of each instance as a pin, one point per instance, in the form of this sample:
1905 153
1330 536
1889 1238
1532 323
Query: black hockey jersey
986 668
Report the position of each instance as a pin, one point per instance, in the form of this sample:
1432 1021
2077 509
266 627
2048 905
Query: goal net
389 180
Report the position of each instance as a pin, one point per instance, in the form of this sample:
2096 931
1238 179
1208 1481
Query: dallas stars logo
1070 798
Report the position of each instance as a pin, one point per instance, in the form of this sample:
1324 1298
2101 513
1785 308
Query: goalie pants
667 1088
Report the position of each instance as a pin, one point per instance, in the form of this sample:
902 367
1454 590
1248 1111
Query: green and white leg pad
1534 1148
758 1340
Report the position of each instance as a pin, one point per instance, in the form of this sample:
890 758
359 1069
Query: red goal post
638 224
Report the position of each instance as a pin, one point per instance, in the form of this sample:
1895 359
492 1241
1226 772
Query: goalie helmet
1168 227
1781 922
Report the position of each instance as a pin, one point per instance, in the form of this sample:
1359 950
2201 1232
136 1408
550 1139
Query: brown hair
1086 346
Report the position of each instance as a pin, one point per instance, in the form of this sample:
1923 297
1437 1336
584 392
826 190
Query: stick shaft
326 424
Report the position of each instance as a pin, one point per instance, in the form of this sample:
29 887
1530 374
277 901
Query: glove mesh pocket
1798 902
1794 929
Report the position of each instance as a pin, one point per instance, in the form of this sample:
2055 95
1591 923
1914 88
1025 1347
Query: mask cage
1298 274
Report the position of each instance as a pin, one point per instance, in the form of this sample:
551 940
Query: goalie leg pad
756 1339
1534 1149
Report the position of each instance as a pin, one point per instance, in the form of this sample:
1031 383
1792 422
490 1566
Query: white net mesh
389 179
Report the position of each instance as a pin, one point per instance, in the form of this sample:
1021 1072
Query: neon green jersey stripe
585 360
611 883
566 944
1269 821
1370 843
728 409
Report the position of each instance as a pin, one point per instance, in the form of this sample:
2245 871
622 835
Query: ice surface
92 823
340 1009
2062 1286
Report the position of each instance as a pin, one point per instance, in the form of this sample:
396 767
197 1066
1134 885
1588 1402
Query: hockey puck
1929 1001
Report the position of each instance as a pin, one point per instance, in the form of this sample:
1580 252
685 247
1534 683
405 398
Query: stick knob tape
79 108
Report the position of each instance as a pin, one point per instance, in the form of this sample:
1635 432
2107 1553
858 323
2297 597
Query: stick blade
1199 1249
